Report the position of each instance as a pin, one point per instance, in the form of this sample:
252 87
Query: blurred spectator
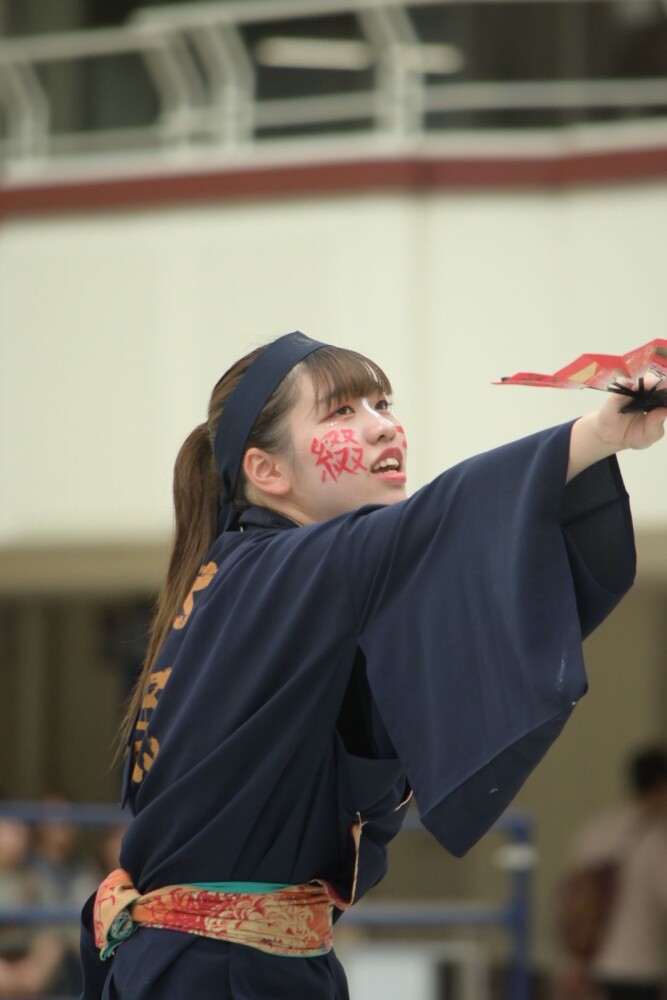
613 901
64 879
109 848
28 958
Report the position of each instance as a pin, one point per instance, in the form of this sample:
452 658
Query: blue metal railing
199 72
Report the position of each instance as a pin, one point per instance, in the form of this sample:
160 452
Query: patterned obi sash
292 920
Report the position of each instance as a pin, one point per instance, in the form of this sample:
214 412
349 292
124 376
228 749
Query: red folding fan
602 371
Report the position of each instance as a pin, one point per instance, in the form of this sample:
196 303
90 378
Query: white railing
204 74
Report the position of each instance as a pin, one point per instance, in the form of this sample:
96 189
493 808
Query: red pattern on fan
602 371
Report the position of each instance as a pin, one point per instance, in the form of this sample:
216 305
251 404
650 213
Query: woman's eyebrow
329 398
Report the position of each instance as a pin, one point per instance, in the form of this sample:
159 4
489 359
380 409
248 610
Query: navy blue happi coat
317 672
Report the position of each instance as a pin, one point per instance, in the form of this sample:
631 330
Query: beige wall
114 328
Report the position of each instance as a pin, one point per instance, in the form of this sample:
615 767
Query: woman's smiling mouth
389 465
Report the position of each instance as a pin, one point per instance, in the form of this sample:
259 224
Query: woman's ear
266 472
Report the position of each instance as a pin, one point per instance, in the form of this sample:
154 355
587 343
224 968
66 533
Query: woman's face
14 843
344 454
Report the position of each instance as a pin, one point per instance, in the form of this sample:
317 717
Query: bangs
339 374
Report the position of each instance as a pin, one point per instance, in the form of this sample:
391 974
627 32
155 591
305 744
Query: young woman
324 645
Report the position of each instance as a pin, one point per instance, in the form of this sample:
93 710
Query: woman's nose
378 426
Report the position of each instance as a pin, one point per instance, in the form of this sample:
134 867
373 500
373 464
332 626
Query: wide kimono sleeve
472 602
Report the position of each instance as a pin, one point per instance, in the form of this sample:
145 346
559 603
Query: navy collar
263 517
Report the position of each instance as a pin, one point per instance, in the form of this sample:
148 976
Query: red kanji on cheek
349 460
335 461
325 458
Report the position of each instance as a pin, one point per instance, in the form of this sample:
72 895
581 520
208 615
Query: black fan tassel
641 399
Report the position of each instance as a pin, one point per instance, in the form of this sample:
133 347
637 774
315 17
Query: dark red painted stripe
413 174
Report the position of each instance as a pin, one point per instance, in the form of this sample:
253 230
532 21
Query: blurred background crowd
52 867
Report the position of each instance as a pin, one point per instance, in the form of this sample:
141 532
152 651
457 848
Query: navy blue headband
243 407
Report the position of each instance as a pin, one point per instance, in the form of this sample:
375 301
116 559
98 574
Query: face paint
404 442
337 452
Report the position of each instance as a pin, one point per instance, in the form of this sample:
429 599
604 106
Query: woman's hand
599 435
630 430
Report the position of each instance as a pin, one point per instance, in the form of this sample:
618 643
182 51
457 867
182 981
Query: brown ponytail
197 485
196 492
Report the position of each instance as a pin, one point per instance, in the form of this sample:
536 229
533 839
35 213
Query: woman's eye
383 404
342 411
